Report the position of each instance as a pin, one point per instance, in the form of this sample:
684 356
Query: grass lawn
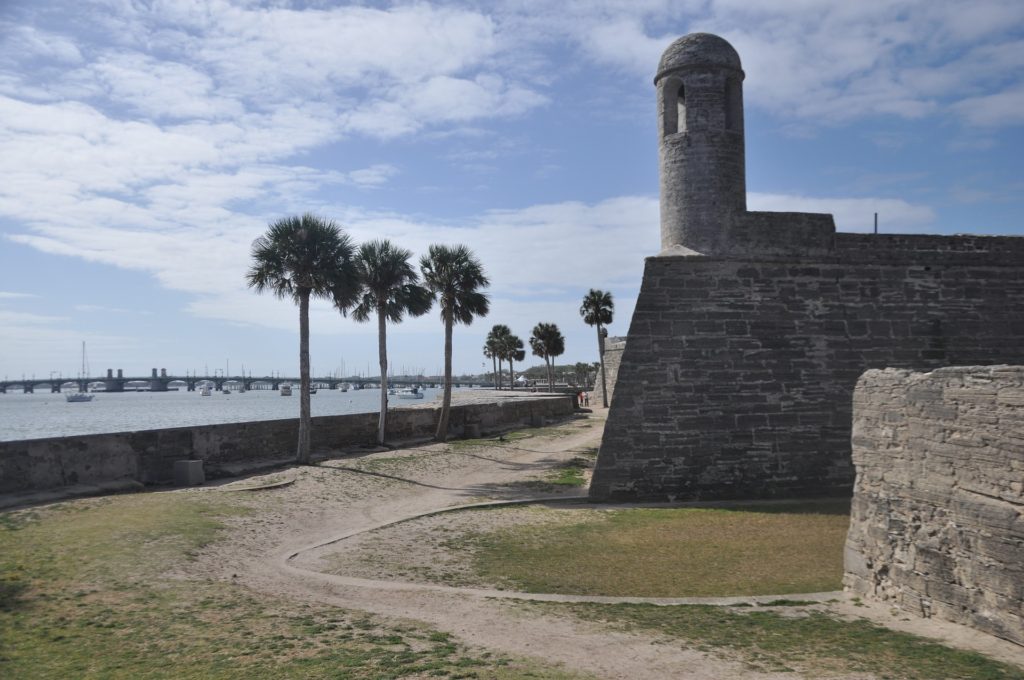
86 591
813 642
677 552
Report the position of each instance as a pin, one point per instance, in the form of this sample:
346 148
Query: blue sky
144 145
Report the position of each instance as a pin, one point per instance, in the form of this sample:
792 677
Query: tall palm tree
454 276
389 289
496 343
548 342
489 353
596 310
300 258
512 350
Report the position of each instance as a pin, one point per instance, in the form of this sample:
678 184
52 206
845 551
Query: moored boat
409 393
81 395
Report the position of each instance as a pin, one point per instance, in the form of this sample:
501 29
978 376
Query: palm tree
489 352
389 289
303 257
596 310
548 342
496 344
512 350
454 276
582 371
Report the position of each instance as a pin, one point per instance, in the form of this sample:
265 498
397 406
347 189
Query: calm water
29 416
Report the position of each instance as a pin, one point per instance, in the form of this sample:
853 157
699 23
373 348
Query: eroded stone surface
937 523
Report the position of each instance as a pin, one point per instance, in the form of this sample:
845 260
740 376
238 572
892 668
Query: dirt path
278 550
348 495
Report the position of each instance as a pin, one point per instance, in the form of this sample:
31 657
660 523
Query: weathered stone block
188 473
936 526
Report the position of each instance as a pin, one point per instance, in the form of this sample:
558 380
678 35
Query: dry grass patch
87 591
677 552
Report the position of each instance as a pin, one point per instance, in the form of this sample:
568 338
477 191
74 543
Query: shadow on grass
814 506
10 594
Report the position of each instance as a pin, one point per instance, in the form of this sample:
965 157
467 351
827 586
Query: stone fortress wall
613 348
751 328
937 523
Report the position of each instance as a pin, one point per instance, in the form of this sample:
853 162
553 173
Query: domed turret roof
699 49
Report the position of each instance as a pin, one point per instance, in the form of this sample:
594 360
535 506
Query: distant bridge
160 381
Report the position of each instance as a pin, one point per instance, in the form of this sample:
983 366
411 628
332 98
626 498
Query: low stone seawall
148 456
937 522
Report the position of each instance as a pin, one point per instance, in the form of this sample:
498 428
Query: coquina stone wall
148 456
613 349
937 524
738 375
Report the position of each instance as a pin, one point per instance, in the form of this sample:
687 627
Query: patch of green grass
94 589
676 552
814 642
570 473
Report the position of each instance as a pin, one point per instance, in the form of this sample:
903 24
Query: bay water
43 414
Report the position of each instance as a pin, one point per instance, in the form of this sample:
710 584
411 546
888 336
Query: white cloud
7 295
30 41
111 310
993 110
817 60
373 176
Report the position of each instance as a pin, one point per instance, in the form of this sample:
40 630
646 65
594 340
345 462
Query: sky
145 144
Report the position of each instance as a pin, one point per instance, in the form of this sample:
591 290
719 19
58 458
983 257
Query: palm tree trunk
302 454
604 381
446 401
494 366
511 375
382 345
551 373
500 374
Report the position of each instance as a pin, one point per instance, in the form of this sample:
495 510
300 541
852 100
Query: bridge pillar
29 388
55 388
158 385
114 385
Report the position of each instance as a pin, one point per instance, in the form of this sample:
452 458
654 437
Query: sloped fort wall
937 523
738 375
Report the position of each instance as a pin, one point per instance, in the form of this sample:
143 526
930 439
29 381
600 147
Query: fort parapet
752 328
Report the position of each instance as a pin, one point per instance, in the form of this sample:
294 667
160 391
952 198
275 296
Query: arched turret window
733 105
681 109
674 114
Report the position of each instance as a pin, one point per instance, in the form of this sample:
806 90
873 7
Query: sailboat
81 396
